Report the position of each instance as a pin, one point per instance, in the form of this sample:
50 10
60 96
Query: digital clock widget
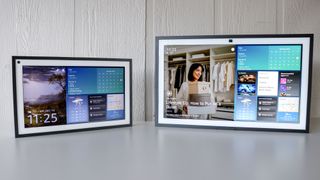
42 118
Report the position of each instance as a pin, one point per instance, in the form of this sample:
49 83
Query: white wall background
91 28
126 29
204 17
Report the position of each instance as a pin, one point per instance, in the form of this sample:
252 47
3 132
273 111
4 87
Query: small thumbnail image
283 88
283 94
247 77
247 89
283 80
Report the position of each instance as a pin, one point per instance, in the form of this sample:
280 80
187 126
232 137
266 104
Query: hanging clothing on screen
172 73
230 75
207 73
179 76
183 74
204 73
222 77
215 76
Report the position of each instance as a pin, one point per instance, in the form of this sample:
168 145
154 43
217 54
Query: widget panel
288 109
97 107
95 80
267 108
269 57
289 84
246 108
268 83
77 108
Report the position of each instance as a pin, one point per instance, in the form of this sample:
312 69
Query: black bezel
158 38
16 58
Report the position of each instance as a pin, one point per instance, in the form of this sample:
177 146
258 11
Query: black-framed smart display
259 82
59 94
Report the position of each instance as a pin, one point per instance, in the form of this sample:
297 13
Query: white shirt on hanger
222 78
215 76
230 75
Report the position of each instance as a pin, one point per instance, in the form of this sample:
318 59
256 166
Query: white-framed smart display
260 82
62 94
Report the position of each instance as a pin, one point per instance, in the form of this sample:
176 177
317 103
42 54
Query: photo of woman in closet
199 82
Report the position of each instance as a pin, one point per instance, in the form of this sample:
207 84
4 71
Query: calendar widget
110 80
269 57
95 80
284 57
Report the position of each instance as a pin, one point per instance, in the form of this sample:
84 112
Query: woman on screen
194 75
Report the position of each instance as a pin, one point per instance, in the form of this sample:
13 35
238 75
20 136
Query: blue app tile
288 116
77 109
246 108
115 107
115 114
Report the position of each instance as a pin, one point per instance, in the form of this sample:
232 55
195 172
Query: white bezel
58 62
305 41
